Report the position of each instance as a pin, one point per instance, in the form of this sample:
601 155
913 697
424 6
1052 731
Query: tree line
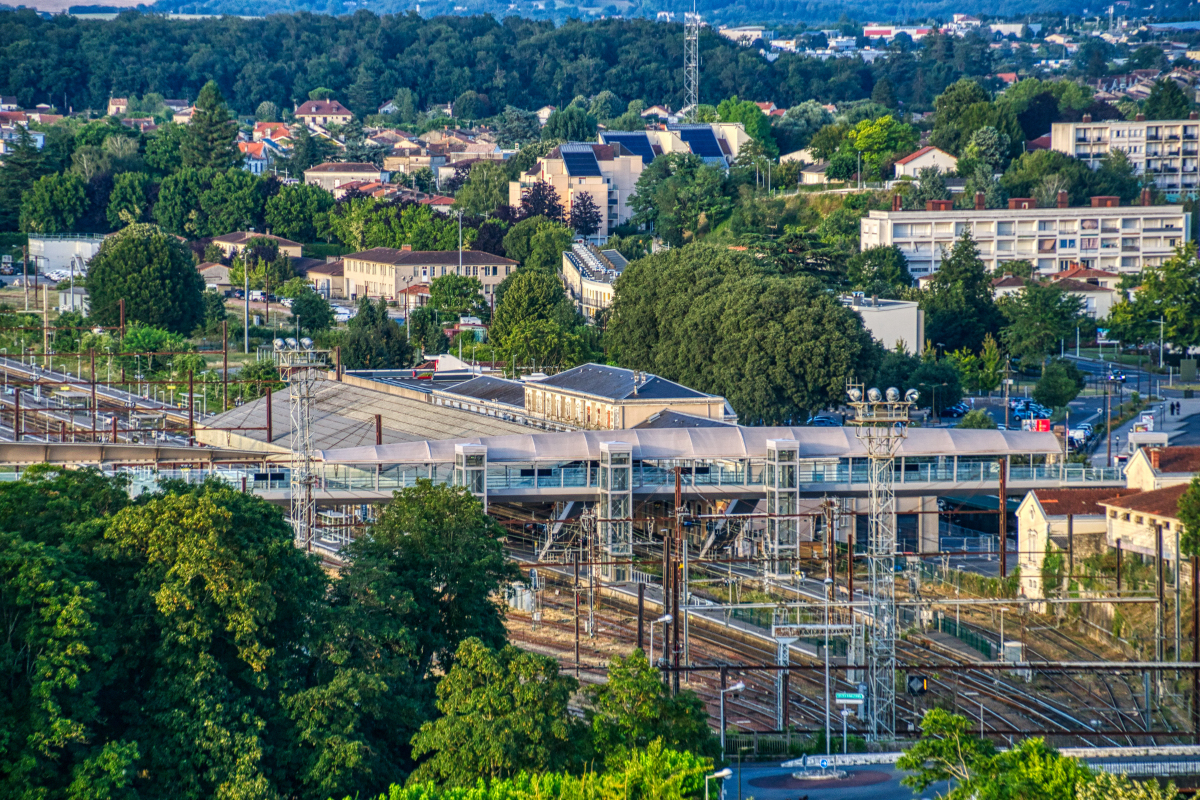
180 644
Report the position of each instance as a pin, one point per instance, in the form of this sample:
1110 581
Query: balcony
1129 248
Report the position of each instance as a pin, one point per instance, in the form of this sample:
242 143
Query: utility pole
246 299
1108 419
1007 383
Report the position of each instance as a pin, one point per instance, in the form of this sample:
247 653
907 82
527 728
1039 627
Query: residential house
746 35
9 103
233 243
333 174
662 112
389 107
216 276
328 279
183 117
10 135
1097 300
321 113
543 114
256 157
175 104
270 130
385 271
814 174
1160 467
912 164
117 106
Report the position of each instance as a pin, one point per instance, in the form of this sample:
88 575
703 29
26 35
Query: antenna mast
691 59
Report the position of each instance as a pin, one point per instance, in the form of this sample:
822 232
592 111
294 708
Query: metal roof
616 383
487 388
689 443
344 416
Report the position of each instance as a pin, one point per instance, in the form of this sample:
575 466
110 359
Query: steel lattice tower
882 423
691 60
301 367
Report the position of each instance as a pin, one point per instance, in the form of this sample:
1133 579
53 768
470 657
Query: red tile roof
1061 502
1072 285
1179 459
1083 272
1159 502
919 153
344 166
252 149
322 108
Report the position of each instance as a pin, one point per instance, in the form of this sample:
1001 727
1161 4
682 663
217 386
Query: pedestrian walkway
1184 429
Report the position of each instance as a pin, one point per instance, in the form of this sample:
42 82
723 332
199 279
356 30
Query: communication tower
691 60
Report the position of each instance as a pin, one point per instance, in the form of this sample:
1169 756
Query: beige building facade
1121 239
386 271
607 173
1166 150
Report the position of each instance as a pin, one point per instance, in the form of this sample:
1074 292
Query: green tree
1166 101
22 167
307 152
470 105
1039 317
1188 509
756 123
799 124
211 139
128 202
879 271
938 383
452 295
1170 292
541 343
300 212
374 340
570 125
485 190
977 419
502 713
878 142
153 273
930 185
54 204
266 111
214 311
531 294
958 304
312 312
1106 786
516 126
680 196
1061 382
949 110
634 707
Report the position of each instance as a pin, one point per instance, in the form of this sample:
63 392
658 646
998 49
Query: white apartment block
1104 236
1168 150
607 172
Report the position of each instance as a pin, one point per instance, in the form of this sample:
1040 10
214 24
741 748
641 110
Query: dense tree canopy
155 276
777 347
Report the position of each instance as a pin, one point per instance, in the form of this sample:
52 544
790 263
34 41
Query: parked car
824 421
1116 375
957 410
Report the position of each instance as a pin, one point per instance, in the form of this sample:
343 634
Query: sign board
1041 425
850 698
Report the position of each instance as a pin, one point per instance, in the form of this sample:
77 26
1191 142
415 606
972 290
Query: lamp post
722 775
737 687
665 619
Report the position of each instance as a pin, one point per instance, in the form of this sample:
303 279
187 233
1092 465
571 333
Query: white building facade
1167 150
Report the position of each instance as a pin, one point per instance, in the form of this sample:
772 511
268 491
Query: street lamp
737 687
664 620
722 775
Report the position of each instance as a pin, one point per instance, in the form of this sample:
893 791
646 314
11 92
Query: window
1138 519
1066 244
1090 243
1125 517
1004 229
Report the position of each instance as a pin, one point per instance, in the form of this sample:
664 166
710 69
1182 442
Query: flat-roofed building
892 322
1104 235
332 175
1166 150
387 271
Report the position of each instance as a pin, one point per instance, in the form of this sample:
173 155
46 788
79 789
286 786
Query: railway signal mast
881 419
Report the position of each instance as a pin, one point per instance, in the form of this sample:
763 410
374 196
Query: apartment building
386 271
589 276
1102 236
606 172
1167 150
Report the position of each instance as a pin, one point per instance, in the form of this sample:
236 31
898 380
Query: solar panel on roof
702 141
579 162
635 142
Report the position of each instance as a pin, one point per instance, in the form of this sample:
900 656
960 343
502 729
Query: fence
967 637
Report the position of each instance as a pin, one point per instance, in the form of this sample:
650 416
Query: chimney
1019 203
1105 201
895 202
980 201
1155 458
1062 199
406 248
1140 118
939 205
1146 196
1087 117
1193 115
